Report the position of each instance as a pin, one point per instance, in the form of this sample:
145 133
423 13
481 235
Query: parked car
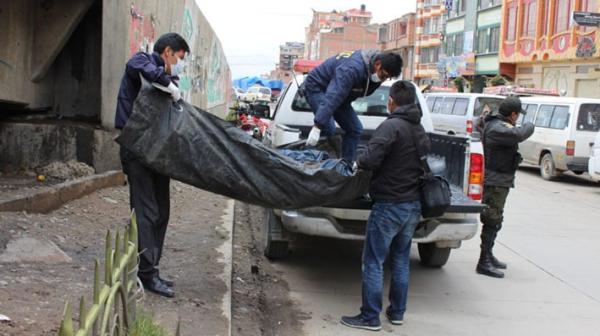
239 93
564 134
258 93
594 164
293 120
457 113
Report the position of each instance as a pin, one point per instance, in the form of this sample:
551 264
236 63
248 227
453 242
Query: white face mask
375 78
178 67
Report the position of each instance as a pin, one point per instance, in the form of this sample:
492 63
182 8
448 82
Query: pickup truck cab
293 119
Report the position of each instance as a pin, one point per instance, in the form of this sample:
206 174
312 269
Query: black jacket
501 149
392 156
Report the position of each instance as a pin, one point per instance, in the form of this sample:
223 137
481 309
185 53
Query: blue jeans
390 229
347 119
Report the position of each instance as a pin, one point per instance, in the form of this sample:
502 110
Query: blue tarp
246 82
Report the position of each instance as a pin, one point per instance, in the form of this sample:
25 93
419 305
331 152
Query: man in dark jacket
392 156
149 191
501 140
331 87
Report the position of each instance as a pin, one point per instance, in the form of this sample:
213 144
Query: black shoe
485 267
395 319
358 322
497 263
169 283
155 285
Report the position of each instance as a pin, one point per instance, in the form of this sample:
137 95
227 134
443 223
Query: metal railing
114 300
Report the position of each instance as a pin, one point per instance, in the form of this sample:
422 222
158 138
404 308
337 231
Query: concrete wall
206 80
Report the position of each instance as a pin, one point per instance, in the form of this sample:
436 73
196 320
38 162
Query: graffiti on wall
556 78
142 32
216 85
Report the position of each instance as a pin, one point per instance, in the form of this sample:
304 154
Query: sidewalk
62 245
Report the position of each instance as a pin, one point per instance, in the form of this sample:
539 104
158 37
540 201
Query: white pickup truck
292 121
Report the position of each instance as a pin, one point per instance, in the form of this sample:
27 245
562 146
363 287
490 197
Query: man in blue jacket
331 87
148 190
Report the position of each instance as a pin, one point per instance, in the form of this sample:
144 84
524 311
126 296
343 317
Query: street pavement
549 240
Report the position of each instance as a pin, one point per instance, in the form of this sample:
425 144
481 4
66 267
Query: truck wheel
433 256
275 246
548 168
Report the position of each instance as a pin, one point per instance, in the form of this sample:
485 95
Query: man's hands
313 136
175 92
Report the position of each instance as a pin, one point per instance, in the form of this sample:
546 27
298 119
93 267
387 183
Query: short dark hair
510 105
403 93
390 62
173 40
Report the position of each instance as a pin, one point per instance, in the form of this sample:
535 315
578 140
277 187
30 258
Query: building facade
471 42
289 53
399 36
429 21
333 32
541 48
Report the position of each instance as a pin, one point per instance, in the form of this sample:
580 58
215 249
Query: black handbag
435 190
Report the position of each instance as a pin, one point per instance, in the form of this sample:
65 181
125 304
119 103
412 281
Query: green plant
145 325
498 80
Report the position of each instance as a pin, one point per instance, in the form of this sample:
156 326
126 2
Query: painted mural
217 71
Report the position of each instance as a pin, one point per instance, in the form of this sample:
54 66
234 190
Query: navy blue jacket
152 67
343 78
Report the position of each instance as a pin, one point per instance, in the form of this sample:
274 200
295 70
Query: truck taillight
469 126
476 177
570 148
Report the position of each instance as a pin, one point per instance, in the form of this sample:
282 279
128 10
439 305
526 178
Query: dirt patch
261 304
33 294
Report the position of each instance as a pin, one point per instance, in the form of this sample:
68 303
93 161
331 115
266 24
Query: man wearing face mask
331 87
148 190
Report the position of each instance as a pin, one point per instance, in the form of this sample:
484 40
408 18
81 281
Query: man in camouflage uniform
501 140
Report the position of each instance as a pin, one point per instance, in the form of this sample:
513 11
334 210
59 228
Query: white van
564 133
594 165
456 113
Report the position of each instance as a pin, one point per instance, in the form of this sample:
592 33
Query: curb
226 250
50 198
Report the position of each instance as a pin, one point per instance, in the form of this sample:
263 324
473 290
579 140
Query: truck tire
433 256
274 244
548 169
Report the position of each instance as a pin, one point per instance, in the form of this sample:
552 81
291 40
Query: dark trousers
346 117
492 217
149 196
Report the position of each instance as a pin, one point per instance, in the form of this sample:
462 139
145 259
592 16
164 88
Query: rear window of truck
589 118
373 105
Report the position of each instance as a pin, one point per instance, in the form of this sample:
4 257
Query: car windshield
265 91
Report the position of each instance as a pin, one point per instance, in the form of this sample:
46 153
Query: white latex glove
313 136
354 167
175 93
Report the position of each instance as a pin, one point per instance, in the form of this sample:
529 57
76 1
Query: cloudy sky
251 31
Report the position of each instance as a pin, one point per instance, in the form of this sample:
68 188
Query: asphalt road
550 240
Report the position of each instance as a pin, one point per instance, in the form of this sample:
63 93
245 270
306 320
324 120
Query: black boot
485 266
497 263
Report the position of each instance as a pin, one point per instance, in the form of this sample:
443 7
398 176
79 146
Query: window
512 24
544 116
430 101
561 15
373 105
560 117
460 106
588 6
530 108
589 118
458 44
450 45
265 91
447 106
529 19
458 8
551 116
437 106
483 4
486 104
494 39
482 41
429 55
546 4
